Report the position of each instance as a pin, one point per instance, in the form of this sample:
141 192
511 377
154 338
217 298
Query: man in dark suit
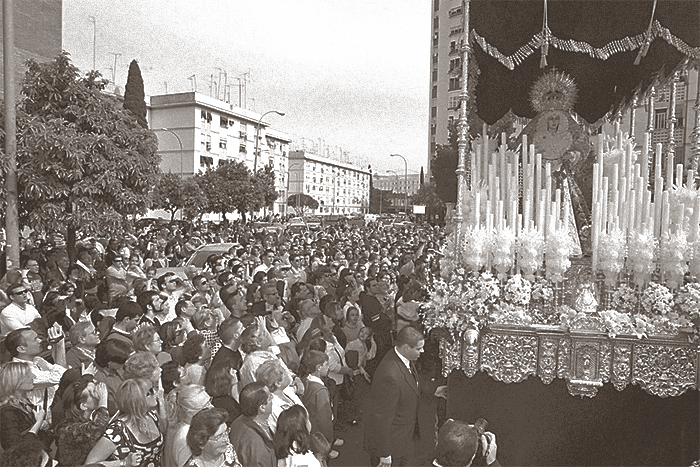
391 414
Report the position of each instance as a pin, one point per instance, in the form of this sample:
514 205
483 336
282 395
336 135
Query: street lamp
257 136
405 165
179 142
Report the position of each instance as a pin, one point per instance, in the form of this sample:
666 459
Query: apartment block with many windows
212 131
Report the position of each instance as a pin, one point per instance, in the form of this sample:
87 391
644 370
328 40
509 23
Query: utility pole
114 70
94 38
12 215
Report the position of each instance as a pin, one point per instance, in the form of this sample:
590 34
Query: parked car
313 222
199 258
296 225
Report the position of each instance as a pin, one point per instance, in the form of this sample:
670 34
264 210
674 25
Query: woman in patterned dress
139 429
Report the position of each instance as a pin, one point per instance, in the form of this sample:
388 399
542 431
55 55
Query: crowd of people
121 357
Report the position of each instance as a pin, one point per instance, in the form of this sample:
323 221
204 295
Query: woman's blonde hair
270 372
143 337
12 374
189 402
141 364
131 401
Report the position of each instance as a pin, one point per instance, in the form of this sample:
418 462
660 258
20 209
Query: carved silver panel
509 358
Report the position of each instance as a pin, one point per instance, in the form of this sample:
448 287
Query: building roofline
305 155
185 99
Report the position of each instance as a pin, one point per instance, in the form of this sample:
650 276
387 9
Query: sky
354 73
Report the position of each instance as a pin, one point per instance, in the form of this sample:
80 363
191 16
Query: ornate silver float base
587 358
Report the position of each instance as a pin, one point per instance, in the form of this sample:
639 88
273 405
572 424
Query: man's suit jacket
392 409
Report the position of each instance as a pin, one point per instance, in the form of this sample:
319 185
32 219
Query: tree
168 193
428 197
195 202
300 201
422 176
83 162
134 95
380 200
263 188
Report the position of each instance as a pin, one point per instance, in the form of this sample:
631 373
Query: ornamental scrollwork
564 358
604 362
548 359
622 365
664 370
509 358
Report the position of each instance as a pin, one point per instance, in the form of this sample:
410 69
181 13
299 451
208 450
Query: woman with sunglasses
139 429
208 439
18 417
84 421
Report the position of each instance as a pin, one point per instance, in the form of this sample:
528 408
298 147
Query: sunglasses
20 292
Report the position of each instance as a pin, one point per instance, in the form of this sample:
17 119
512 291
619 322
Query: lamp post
257 136
405 166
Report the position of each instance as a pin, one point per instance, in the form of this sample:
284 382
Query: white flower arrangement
674 254
687 300
530 248
640 256
625 299
517 291
476 247
611 247
657 299
557 254
503 251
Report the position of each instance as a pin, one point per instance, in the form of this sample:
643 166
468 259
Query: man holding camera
460 444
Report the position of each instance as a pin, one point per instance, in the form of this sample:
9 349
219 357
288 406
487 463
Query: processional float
574 256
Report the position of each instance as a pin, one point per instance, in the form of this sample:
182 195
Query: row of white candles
499 173
622 201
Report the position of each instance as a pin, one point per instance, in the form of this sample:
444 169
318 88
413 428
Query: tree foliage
169 193
380 200
263 187
300 202
83 162
134 94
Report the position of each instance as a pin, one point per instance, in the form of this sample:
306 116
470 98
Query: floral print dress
120 434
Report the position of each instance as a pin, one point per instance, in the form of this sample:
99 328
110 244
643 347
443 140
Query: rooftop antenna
193 80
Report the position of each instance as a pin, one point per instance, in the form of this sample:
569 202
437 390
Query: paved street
352 454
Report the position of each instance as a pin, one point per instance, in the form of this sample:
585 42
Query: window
206 162
242 148
208 143
243 132
433 129
435 74
436 5
455 31
206 116
433 111
436 22
435 39
455 11
455 64
435 59
454 102
434 92
660 118
223 122
454 84
222 144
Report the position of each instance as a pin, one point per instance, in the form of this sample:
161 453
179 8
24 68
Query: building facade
211 131
445 71
396 188
340 188
38 34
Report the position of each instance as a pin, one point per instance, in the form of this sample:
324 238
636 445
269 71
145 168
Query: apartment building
339 187
196 132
